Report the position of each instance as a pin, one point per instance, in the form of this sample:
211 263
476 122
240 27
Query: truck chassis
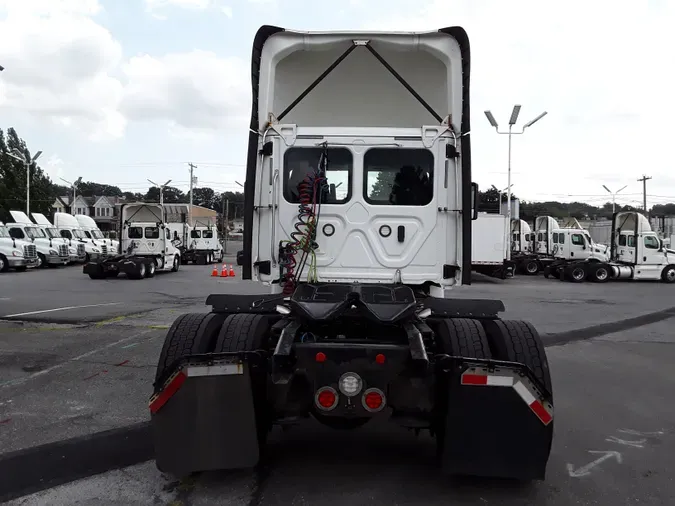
134 266
343 354
578 271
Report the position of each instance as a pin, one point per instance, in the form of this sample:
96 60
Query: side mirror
474 201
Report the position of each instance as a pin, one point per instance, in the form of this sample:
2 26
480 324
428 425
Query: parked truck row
566 250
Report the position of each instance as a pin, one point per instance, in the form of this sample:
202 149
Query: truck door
578 249
650 261
382 213
626 248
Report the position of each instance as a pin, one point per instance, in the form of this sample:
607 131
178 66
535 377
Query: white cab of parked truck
50 252
145 234
576 244
522 238
69 228
544 227
94 234
76 251
15 253
204 239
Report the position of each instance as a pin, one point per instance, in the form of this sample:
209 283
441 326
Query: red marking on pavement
89 377
6 420
121 363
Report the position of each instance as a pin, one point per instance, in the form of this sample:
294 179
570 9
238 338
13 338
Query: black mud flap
499 422
94 268
204 419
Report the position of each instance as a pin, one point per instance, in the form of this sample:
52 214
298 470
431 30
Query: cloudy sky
118 91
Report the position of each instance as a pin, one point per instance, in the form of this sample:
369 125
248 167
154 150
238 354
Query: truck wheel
4 265
575 273
190 334
462 337
668 274
137 271
176 263
519 341
531 268
97 272
600 274
150 269
42 261
250 332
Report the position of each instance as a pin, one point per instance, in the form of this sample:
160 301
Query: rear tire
531 268
519 341
600 274
575 273
190 334
250 332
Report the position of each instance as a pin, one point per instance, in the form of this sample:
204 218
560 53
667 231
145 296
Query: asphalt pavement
91 368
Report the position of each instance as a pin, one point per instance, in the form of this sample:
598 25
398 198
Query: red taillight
379 358
320 357
326 398
373 400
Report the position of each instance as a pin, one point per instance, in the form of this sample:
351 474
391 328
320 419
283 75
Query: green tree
92 189
384 182
13 179
171 195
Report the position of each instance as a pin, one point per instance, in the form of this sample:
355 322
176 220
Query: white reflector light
350 384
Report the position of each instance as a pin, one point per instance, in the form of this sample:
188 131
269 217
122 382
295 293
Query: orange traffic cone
214 272
231 271
223 272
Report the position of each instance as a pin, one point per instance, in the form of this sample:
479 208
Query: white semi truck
76 249
489 246
199 244
69 227
92 232
51 252
636 253
358 225
15 253
145 248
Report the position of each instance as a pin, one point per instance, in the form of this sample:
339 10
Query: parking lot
77 356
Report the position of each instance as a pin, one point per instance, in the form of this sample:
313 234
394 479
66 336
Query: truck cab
204 239
145 234
50 253
15 253
76 251
93 233
522 238
577 244
70 229
544 227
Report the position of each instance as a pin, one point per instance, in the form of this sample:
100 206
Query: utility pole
74 187
192 180
644 180
18 155
226 219
512 121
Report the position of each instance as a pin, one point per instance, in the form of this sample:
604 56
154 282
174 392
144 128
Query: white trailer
15 253
489 246
145 248
76 250
50 252
635 253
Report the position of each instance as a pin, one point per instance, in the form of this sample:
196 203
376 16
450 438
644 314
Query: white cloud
156 7
59 65
599 68
191 90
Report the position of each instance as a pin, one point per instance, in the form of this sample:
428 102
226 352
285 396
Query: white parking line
60 309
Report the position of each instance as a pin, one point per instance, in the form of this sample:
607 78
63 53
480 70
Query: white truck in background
146 245
489 246
76 250
199 244
69 228
15 253
91 231
636 253
50 252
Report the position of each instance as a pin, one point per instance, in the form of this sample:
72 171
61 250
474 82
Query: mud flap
499 423
204 419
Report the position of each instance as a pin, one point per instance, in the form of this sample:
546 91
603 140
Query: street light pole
161 190
614 196
18 155
512 121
